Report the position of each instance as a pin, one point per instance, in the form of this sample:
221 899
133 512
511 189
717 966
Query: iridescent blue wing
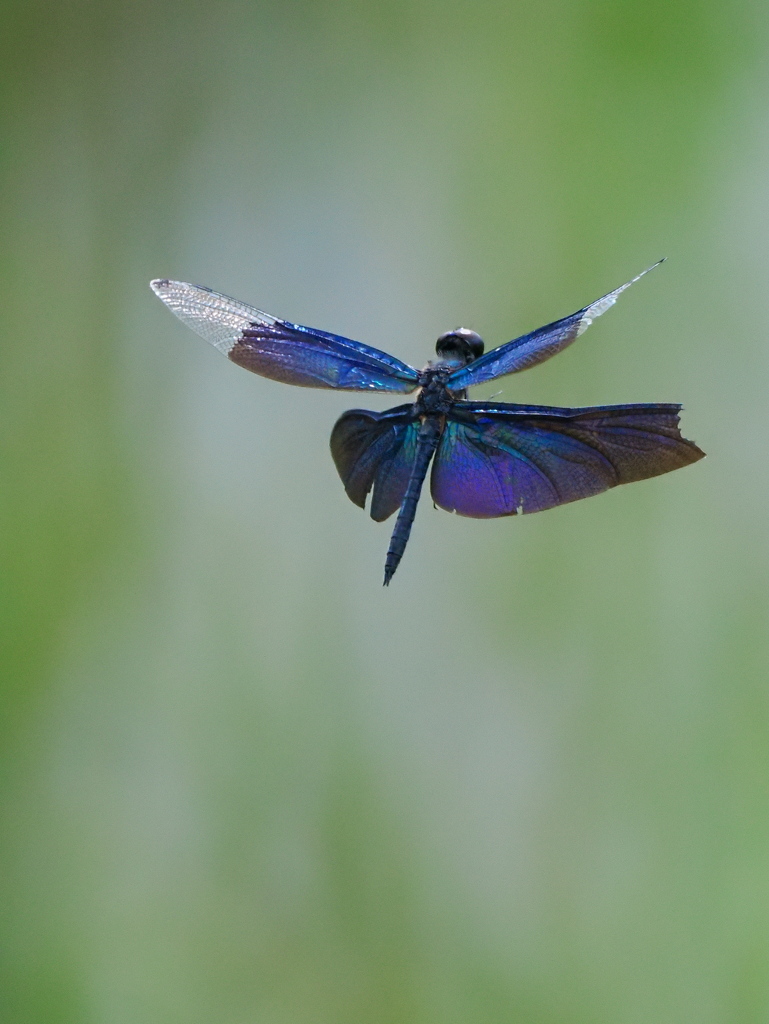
499 460
376 449
281 350
536 347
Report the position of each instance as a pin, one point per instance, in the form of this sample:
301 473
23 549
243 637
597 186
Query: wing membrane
530 349
499 460
376 450
281 350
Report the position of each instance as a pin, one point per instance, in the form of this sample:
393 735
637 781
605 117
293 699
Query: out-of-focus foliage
241 782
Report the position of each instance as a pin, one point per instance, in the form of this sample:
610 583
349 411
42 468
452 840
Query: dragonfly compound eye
461 343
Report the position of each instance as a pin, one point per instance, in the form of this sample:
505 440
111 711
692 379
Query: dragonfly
489 459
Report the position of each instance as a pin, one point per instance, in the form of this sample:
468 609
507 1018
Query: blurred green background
242 783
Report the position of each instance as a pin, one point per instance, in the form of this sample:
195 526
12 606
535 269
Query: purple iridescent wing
280 350
536 347
376 450
499 460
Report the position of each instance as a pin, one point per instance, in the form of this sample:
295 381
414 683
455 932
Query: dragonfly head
460 345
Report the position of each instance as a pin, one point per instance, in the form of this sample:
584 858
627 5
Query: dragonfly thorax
434 396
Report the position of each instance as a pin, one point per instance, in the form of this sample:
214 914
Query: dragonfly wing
499 460
376 450
538 346
281 350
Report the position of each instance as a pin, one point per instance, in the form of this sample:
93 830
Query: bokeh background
242 783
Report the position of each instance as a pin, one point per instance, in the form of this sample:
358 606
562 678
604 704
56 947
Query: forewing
375 450
281 350
538 346
498 460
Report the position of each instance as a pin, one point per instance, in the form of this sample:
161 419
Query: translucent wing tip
179 295
174 293
215 317
599 307
160 284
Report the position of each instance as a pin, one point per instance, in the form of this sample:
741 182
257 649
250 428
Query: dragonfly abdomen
427 441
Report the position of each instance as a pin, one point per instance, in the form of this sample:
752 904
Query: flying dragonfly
489 458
